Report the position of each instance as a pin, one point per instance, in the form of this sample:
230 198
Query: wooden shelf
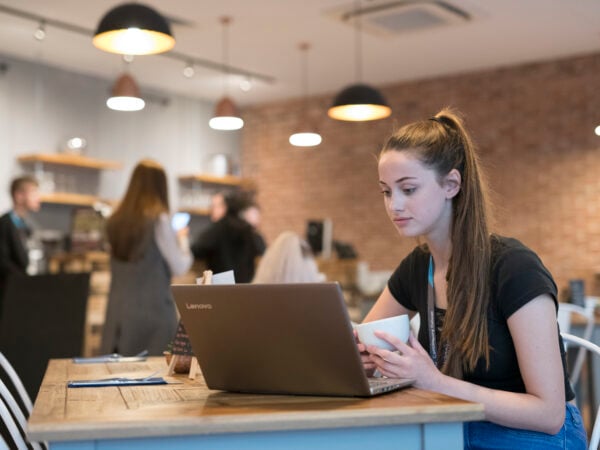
69 198
227 180
69 159
196 211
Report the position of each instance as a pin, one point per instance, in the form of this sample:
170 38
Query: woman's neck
441 250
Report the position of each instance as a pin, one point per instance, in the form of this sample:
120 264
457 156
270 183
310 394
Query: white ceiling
265 34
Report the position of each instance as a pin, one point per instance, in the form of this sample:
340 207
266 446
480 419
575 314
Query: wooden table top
62 413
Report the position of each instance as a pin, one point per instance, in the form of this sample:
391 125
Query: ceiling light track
201 62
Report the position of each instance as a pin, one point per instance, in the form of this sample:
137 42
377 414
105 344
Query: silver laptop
276 338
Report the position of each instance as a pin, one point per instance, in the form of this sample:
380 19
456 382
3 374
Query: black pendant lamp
359 102
133 29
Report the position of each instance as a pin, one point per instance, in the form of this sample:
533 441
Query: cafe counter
186 414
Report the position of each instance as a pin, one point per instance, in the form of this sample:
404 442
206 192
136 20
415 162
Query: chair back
566 313
13 439
587 346
17 385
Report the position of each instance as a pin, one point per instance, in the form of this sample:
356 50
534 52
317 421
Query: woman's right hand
365 357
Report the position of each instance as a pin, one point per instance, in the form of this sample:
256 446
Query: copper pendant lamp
125 95
226 115
359 102
133 29
306 134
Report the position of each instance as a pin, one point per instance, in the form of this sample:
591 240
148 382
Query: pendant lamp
226 115
359 102
125 95
133 29
306 134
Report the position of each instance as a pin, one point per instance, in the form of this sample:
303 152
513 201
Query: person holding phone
487 303
145 252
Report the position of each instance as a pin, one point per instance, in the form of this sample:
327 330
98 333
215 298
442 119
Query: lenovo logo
198 306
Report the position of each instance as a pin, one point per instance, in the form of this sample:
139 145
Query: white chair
565 316
14 409
17 383
586 346
13 430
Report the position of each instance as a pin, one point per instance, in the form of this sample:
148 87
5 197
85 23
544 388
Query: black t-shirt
517 277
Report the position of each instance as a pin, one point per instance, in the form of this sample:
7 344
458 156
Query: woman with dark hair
487 304
145 252
229 243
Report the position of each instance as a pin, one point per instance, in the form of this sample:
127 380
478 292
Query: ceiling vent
393 18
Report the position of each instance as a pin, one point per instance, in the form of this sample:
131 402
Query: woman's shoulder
512 252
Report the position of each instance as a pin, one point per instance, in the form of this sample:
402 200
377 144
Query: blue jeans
489 436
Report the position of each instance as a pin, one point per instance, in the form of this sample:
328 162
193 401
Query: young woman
487 304
145 252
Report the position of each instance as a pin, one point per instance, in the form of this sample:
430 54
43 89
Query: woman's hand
368 365
409 362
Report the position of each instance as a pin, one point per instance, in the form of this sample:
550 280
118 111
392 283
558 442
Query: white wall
41 106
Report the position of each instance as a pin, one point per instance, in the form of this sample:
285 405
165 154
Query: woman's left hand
409 362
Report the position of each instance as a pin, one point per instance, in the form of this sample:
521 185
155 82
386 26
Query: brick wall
534 125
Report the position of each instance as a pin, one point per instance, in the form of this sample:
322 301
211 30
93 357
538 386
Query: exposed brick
534 127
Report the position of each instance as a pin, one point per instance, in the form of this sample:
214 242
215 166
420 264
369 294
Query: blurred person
288 259
15 228
145 253
251 214
228 243
218 207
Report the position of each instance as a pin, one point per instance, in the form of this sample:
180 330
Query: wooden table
189 415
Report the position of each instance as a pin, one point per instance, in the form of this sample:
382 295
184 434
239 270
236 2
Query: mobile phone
180 220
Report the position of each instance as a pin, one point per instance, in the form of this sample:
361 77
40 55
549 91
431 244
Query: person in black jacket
228 243
14 229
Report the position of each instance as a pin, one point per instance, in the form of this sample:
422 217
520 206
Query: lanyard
431 314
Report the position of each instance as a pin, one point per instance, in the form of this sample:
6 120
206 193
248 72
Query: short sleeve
409 279
520 277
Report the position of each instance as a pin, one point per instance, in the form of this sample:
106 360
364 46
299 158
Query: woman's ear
452 183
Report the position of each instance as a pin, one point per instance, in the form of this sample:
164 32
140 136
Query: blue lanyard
431 314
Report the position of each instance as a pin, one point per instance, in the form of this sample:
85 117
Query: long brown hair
442 144
146 198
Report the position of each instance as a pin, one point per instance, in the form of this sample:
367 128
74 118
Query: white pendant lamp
359 102
226 115
306 134
133 29
125 95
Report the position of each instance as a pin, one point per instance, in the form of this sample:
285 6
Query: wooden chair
587 346
566 313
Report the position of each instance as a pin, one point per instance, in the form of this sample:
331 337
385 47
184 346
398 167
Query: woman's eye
386 193
408 191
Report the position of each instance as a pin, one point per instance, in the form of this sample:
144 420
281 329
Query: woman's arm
535 336
177 254
386 306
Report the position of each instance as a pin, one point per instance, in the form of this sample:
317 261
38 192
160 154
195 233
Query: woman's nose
396 203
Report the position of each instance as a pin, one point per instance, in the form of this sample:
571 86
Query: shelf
196 211
69 159
68 198
226 180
